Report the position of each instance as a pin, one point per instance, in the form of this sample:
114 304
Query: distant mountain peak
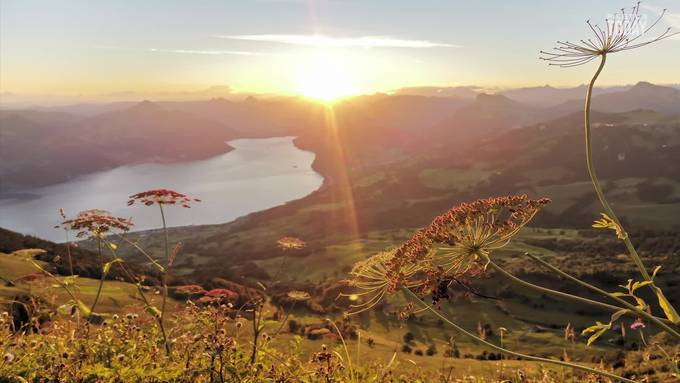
146 106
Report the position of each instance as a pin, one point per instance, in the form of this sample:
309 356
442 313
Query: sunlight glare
326 78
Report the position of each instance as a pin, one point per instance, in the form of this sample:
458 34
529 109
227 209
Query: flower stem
101 280
548 291
623 302
144 299
668 308
164 274
513 353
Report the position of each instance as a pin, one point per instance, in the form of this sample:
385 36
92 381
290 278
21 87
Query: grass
117 296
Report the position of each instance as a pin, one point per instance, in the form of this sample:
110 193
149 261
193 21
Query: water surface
256 175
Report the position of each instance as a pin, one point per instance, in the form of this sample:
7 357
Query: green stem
556 293
509 352
164 274
144 299
101 280
623 302
670 311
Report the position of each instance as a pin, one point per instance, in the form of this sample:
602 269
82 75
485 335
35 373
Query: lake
258 174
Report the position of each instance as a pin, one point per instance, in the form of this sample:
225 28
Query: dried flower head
96 223
470 232
189 289
452 245
622 31
376 277
291 243
221 294
299 295
162 197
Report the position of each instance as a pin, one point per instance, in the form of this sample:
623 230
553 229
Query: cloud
341 42
208 52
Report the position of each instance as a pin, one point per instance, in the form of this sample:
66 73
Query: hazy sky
98 47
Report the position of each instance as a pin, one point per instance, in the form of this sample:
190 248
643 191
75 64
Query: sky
84 47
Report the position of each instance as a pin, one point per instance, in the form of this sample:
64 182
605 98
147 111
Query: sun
326 79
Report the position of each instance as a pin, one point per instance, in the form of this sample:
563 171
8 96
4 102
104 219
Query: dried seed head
162 197
621 32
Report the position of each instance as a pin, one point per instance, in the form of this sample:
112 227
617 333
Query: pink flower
96 222
162 197
221 293
637 324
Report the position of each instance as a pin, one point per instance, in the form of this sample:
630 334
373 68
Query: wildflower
375 277
221 293
291 243
96 223
469 232
621 32
638 324
298 295
162 197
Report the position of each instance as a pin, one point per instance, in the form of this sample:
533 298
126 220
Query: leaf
598 329
670 312
67 308
656 270
113 246
637 285
154 311
606 222
107 265
618 294
84 309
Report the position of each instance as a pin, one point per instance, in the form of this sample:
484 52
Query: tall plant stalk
669 310
598 290
563 295
164 276
103 276
503 350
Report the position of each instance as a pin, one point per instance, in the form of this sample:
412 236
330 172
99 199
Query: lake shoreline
233 184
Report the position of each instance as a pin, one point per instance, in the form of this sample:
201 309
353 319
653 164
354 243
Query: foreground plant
97 224
624 31
457 244
162 197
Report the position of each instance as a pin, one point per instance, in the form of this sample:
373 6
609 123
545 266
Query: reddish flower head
96 223
221 293
162 197
190 289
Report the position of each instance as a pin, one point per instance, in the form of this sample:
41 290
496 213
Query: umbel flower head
291 243
374 278
450 247
621 32
457 239
299 296
162 197
96 223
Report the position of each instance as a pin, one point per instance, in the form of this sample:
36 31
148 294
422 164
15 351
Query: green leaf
656 270
107 265
598 329
154 311
618 294
637 285
84 309
670 312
